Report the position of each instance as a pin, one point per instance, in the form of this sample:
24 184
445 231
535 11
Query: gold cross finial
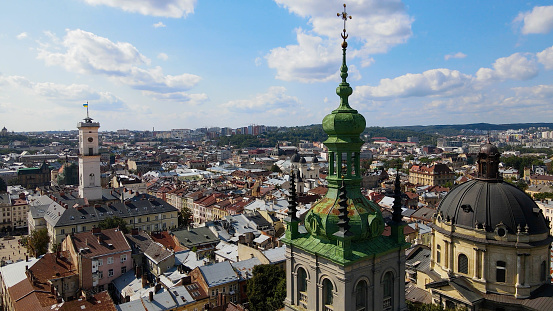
345 17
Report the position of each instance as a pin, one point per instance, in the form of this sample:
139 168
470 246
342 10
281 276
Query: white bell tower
89 160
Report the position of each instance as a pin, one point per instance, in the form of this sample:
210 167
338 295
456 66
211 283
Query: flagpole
87 110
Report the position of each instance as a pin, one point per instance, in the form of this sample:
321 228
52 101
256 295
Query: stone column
484 266
520 278
476 265
451 257
446 255
526 270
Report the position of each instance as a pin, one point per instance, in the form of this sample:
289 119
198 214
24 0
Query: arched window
91 179
463 264
361 296
388 291
438 253
327 292
500 271
302 286
543 271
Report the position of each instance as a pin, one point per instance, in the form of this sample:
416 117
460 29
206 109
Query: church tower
344 262
89 160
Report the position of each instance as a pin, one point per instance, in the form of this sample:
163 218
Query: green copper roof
362 249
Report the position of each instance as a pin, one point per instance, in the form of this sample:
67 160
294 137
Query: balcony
387 304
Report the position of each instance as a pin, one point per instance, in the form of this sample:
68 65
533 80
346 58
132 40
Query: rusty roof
106 242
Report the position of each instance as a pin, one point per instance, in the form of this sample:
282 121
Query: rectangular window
110 272
123 270
100 262
73 230
62 231
500 271
123 257
90 151
139 220
84 228
100 274
110 260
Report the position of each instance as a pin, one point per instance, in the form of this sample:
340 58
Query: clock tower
89 160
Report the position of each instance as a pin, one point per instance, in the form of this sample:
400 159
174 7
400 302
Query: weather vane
345 17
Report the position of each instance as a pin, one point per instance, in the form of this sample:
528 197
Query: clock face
90 139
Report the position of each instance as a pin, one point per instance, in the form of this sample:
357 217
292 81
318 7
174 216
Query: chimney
144 281
158 287
151 296
26 268
127 298
96 230
62 194
186 280
134 231
26 259
22 196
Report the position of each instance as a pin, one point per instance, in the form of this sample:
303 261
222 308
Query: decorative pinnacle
396 215
343 223
345 17
292 199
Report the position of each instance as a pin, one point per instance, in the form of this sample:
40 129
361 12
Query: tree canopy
37 242
267 288
114 222
185 217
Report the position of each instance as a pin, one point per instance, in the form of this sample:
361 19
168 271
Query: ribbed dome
486 204
303 160
295 158
489 149
344 122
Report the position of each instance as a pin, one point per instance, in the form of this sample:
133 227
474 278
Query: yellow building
490 247
438 174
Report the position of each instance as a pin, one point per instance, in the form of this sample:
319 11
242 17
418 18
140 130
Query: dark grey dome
489 149
295 158
315 160
303 160
484 203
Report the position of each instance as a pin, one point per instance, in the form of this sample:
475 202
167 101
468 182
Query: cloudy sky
193 63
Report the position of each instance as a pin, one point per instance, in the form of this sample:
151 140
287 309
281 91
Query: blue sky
193 63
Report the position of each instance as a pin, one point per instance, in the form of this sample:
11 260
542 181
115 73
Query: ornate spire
343 223
344 90
396 215
292 199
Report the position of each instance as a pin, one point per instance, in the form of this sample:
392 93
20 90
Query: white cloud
88 53
164 8
63 93
22 36
313 59
546 57
428 83
537 21
274 100
159 24
515 67
193 99
162 56
455 55
378 25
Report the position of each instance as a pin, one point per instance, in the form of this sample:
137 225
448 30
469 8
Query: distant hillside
464 128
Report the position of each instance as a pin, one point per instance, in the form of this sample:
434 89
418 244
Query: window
84 228
156 218
110 260
302 280
100 275
100 262
463 264
110 272
73 230
139 219
361 296
123 257
90 151
212 292
147 219
438 253
62 231
123 270
388 290
101 288
327 292
500 271
543 268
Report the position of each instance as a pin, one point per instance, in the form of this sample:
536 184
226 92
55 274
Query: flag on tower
85 105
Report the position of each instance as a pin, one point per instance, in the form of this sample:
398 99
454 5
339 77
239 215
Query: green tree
275 169
114 222
37 242
267 288
185 217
